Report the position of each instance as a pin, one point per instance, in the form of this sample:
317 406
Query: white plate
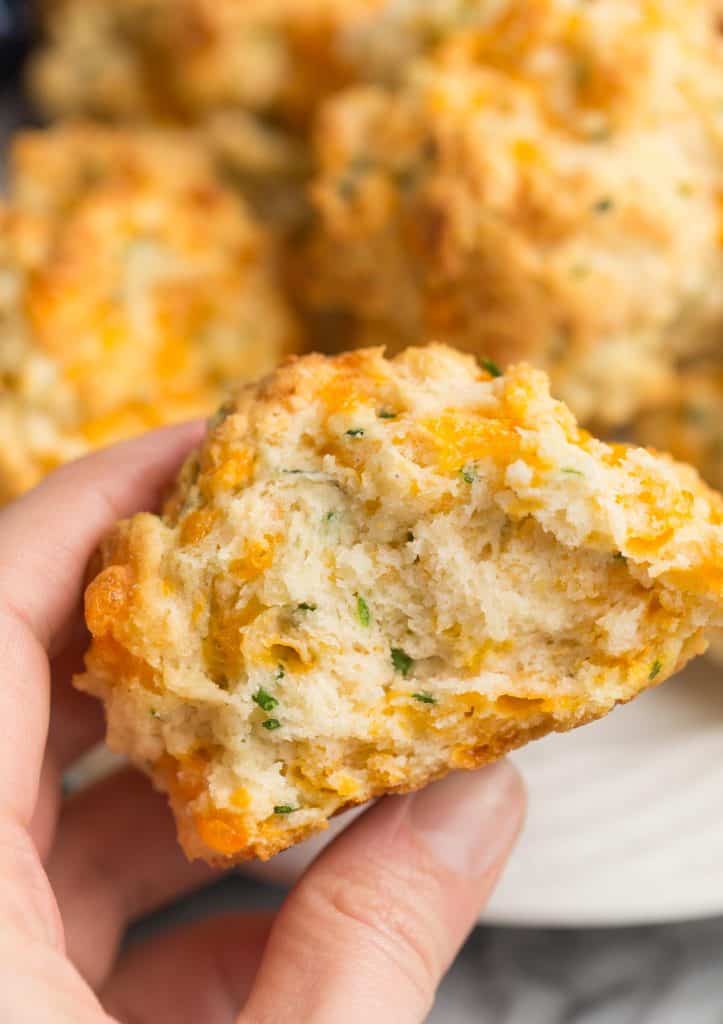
625 821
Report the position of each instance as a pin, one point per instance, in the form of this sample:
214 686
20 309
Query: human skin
367 932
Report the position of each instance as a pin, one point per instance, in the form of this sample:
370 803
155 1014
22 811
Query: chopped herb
330 516
361 165
425 698
582 71
154 713
265 700
468 474
306 606
271 724
695 413
656 669
401 661
362 610
410 536
348 184
491 367
284 809
405 178
347 188
619 557
603 205
572 471
280 672
430 149
387 414
356 432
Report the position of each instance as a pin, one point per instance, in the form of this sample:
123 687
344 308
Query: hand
365 935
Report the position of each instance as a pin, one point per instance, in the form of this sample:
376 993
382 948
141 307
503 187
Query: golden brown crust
689 424
186 59
299 631
520 196
139 289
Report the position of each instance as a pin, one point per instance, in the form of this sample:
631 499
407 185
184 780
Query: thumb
373 925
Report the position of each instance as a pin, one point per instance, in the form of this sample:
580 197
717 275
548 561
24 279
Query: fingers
46 539
77 721
50 533
373 925
202 972
76 724
39 986
116 857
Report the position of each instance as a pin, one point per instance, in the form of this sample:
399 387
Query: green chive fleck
491 367
619 557
468 474
572 471
656 669
603 205
410 536
425 698
582 71
387 414
154 713
401 661
362 610
695 414
356 432
280 672
306 606
271 724
264 700
284 809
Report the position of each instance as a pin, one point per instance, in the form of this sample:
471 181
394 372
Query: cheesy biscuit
690 423
189 59
375 571
134 287
545 185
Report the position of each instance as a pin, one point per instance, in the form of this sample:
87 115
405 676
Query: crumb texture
375 571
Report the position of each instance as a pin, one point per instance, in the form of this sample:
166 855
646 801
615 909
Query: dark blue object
15 32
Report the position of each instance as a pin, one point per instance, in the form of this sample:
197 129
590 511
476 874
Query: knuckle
392 915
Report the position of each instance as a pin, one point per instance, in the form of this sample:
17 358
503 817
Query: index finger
48 535
46 539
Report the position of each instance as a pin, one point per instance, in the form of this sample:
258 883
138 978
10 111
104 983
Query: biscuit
248 74
689 424
134 288
545 186
375 571
187 59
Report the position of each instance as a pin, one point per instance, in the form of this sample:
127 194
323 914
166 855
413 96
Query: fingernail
469 820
